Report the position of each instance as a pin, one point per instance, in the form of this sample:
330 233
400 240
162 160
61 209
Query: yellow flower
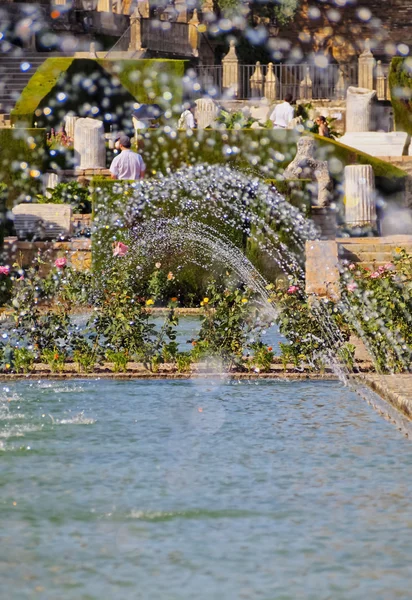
205 300
398 250
201 304
244 300
149 302
170 276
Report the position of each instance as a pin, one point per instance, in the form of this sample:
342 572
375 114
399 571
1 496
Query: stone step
368 257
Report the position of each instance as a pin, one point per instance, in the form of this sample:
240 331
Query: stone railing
303 81
274 81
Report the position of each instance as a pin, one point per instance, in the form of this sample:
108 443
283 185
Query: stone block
376 143
44 221
322 269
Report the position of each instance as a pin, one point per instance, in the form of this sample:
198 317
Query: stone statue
306 166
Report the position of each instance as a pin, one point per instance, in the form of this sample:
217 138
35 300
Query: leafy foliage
400 83
69 193
378 304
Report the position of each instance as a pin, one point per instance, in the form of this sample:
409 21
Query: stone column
256 81
143 8
50 180
380 82
104 6
206 112
360 204
340 88
358 109
230 65
271 84
135 31
89 144
193 33
366 68
181 8
306 86
69 124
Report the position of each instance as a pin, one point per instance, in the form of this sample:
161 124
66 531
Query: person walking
283 113
187 118
127 164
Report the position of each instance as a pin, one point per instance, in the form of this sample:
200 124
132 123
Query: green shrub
23 360
69 193
22 161
143 80
400 84
38 87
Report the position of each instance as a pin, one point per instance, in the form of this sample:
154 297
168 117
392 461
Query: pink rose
60 262
351 267
351 287
292 289
381 269
389 267
375 275
120 249
5 270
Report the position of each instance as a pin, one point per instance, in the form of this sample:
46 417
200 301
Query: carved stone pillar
256 81
306 86
104 6
181 8
89 144
193 33
69 125
340 88
381 89
358 109
271 84
230 65
366 68
135 31
360 196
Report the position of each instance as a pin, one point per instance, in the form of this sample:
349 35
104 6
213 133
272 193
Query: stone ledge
395 389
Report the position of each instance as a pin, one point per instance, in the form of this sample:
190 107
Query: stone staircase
16 69
372 252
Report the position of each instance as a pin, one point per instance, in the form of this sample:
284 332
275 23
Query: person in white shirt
187 118
283 113
128 164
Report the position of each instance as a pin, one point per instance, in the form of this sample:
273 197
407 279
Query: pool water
201 490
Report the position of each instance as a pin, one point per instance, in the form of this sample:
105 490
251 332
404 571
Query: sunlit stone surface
360 195
358 109
89 145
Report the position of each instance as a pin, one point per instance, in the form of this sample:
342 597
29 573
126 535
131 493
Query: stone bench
43 221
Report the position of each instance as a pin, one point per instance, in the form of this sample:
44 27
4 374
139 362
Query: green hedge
400 84
388 178
22 158
262 152
38 87
146 81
